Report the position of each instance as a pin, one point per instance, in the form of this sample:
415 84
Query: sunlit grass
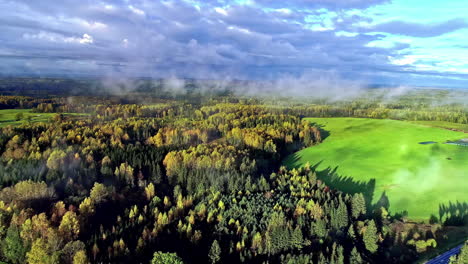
415 177
16 117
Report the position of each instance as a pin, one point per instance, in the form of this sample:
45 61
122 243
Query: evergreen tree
371 237
339 216
358 205
355 257
215 252
337 254
12 247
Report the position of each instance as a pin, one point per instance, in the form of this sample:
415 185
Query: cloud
331 4
53 37
419 29
136 10
206 39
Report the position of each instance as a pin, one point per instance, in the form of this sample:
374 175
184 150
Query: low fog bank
324 86
328 87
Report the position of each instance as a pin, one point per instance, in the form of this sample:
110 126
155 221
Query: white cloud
53 37
285 11
136 10
243 30
94 25
345 34
86 39
221 11
406 60
42 36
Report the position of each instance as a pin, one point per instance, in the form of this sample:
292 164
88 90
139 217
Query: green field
415 177
443 124
9 116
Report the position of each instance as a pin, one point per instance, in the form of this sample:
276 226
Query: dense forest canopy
152 176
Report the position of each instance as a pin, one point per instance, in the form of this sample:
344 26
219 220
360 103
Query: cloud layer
219 39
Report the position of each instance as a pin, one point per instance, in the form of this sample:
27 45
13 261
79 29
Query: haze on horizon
400 42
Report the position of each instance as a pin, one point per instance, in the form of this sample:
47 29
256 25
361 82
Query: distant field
443 124
415 177
8 116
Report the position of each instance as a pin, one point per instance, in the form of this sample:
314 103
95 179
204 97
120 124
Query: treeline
453 114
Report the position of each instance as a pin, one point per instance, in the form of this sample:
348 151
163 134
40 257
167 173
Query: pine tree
339 216
355 257
337 254
371 237
358 205
215 252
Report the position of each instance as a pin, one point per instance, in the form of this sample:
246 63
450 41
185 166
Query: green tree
19 116
371 237
337 254
12 247
462 257
358 205
355 257
339 216
319 229
215 252
166 258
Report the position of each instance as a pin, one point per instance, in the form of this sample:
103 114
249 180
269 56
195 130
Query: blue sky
400 42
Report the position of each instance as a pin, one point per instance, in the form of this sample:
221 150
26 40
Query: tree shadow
346 184
323 133
383 202
454 213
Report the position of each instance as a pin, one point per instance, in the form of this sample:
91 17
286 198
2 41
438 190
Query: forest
149 176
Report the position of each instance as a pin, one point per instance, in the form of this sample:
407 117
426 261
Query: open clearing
415 177
8 116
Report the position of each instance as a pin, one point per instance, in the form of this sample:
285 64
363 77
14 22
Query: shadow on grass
454 213
323 133
346 184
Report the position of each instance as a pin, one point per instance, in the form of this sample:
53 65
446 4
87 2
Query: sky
399 42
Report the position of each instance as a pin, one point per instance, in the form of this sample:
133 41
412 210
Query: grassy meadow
415 177
10 116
